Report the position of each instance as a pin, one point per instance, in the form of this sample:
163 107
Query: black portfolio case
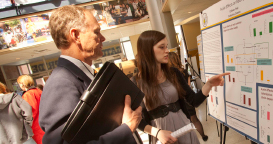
101 106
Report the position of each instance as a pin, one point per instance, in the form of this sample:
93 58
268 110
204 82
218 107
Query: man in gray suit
76 33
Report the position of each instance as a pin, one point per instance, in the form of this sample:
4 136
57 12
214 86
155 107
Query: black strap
14 95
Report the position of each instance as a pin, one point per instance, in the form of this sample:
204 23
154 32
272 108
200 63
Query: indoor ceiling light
17 58
189 12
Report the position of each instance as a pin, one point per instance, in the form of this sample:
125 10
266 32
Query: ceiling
183 12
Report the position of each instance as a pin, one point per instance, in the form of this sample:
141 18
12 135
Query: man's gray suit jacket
61 94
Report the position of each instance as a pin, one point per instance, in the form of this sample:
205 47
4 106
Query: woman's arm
164 136
217 80
151 130
195 99
189 81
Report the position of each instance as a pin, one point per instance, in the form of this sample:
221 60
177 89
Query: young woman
174 61
163 88
32 95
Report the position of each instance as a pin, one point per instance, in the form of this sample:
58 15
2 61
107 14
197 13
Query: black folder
100 108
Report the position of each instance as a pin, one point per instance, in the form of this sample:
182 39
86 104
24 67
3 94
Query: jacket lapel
74 70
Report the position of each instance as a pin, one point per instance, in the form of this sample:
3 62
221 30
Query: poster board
201 57
237 38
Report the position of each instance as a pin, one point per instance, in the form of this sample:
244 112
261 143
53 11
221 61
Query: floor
232 137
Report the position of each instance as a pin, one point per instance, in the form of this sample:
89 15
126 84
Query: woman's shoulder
174 69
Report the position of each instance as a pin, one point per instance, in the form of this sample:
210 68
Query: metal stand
225 133
217 128
207 113
223 140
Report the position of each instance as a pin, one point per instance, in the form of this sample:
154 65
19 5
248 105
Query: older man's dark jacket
61 94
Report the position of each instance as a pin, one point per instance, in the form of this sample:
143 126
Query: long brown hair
148 68
174 61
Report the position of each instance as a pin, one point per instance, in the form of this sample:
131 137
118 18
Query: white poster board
201 58
237 37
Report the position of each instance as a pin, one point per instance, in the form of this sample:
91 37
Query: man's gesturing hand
130 117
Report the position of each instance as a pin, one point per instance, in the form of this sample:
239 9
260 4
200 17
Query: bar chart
265 109
264 74
245 99
264 135
262 23
229 59
216 101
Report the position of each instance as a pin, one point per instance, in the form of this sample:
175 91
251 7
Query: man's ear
75 35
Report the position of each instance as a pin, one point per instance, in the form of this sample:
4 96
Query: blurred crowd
119 13
12 35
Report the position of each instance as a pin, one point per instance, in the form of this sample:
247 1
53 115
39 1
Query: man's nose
102 38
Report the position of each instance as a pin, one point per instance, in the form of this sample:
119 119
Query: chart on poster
237 38
265 110
216 101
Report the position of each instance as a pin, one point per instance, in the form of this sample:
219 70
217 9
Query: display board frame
246 96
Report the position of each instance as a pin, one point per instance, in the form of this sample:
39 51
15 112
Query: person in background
144 7
129 14
123 9
165 87
32 95
135 4
8 37
95 14
15 118
174 61
139 13
112 9
109 19
131 7
41 87
77 34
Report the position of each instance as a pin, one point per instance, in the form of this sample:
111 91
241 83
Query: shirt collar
81 65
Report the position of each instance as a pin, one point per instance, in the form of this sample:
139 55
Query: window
117 61
24 69
127 48
181 40
40 81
